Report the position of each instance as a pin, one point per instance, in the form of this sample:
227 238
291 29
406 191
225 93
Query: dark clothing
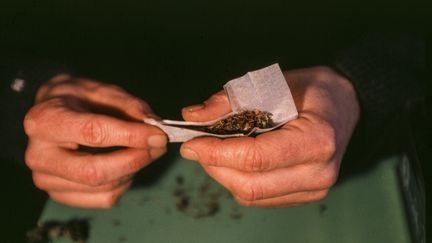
387 71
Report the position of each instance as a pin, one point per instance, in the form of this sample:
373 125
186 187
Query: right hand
295 164
64 120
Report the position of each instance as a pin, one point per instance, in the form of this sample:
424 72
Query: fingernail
156 153
193 108
157 141
188 153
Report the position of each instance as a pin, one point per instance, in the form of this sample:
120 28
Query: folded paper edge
179 134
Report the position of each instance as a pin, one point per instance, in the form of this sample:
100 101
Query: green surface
362 209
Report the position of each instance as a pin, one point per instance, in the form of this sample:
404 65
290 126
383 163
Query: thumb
214 107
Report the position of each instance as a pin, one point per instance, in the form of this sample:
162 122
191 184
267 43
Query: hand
72 114
295 164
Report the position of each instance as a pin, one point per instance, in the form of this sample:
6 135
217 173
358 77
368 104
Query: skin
293 165
71 113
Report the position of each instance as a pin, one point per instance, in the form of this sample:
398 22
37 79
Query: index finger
59 124
291 145
85 168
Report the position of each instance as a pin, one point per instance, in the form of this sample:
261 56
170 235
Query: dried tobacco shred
75 230
199 202
243 122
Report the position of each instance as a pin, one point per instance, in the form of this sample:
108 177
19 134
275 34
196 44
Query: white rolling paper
264 89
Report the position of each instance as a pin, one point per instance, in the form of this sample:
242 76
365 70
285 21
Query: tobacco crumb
212 208
116 222
76 230
243 122
122 238
322 209
235 213
178 192
179 180
143 200
197 202
182 203
204 188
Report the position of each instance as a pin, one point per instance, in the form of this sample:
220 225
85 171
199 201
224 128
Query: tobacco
75 230
243 122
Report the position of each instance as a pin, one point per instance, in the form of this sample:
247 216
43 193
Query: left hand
73 121
295 164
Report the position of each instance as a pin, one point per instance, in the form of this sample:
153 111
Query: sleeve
19 83
387 71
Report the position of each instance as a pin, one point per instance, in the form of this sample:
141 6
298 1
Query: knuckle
326 143
322 73
29 124
136 163
135 103
245 203
108 187
36 118
253 160
132 138
38 182
31 121
95 86
91 176
249 191
329 178
93 133
109 199
213 157
321 195
87 84
30 158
